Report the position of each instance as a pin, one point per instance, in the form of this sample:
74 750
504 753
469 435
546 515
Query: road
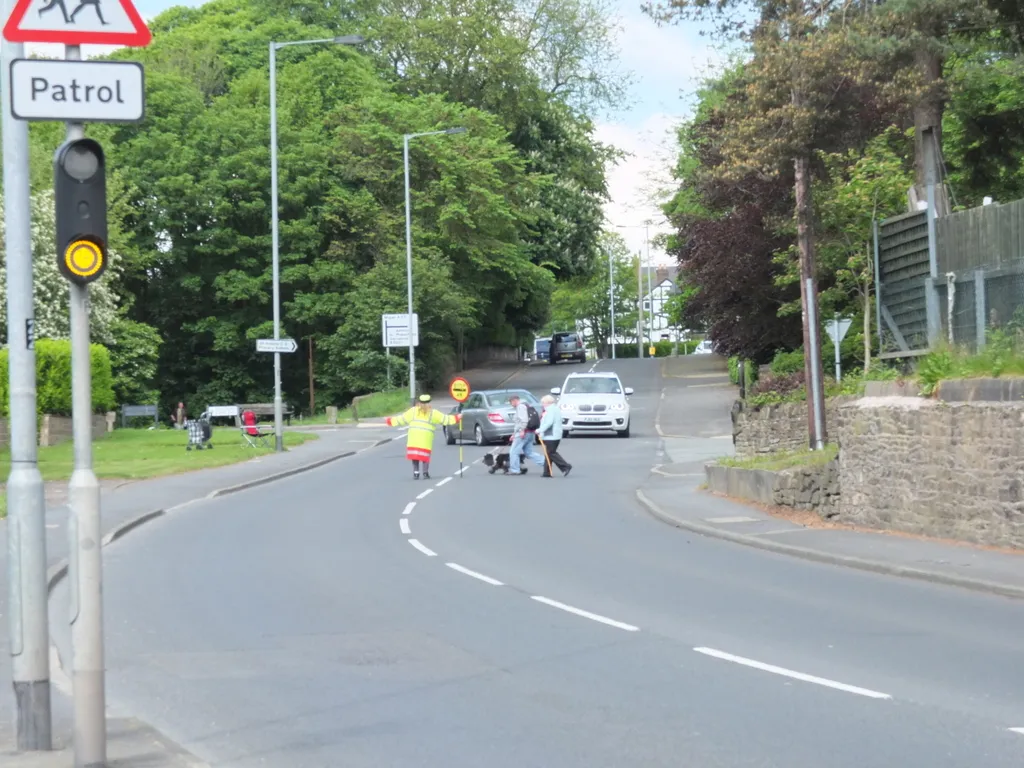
352 616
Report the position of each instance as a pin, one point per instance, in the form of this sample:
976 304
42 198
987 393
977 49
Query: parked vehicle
704 348
594 402
487 416
567 346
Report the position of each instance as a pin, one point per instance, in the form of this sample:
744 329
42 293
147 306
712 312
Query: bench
266 410
136 411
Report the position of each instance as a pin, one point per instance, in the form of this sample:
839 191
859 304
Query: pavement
126 505
353 616
672 494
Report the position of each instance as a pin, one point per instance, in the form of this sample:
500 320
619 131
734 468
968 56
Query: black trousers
551 446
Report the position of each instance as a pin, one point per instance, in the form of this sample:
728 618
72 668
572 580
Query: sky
666 63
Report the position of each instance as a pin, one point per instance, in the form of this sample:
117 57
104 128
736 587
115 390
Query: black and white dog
499 459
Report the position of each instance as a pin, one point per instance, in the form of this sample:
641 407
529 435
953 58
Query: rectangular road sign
395 330
276 345
77 91
89 22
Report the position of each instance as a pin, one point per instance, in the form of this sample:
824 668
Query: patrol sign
77 91
459 389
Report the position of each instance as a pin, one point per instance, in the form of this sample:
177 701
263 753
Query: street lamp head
455 130
349 40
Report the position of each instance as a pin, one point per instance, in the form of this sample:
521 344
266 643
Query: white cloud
642 180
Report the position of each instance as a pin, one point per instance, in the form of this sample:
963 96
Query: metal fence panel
900 284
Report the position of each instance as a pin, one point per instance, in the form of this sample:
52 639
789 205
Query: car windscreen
592 385
542 346
568 338
501 399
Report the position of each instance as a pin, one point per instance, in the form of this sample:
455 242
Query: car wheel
625 432
478 435
449 436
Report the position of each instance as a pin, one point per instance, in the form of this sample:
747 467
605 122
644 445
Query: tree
197 181
802 92
584 304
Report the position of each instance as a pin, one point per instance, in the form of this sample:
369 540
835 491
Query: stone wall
951 470
57 429
811 488
783 427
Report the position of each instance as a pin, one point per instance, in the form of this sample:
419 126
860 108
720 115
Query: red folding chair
252 433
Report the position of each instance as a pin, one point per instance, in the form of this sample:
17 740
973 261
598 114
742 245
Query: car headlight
619 407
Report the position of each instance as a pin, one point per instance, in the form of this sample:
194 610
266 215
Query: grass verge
139 454
372 406
378 404
785 460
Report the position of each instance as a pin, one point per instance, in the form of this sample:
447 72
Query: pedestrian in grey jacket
524 439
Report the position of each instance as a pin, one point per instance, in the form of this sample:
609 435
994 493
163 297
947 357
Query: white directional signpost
837 328
394 330
76 92
280 346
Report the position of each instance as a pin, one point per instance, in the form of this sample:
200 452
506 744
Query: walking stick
546 457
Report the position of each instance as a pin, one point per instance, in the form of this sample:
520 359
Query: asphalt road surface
351 616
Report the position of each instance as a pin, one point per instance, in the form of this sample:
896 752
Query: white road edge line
403 523
1016 730
425 493
409 508
790 673
474 574
585 614
446 480
421 548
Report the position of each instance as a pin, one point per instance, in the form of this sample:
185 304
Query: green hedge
53 378
751 370
661 349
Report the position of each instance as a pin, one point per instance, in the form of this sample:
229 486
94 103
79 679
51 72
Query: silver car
487 416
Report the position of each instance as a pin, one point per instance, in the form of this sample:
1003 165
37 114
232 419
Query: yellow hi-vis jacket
421 430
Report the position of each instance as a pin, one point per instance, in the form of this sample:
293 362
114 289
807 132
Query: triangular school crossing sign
77 22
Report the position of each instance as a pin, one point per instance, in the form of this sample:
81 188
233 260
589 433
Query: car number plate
590 418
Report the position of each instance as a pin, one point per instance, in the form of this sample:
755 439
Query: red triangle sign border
140 38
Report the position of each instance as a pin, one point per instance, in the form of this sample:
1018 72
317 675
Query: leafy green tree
583 303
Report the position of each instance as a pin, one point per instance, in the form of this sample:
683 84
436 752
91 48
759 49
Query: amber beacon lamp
80 187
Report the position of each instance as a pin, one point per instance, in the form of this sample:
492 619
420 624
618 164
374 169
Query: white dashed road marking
585 614
425 493
474 574
421 548
403 523
409 508
1016 730
446 480
790 673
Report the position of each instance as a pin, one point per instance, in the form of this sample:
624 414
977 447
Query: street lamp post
343 40
611 300
650 291
408 249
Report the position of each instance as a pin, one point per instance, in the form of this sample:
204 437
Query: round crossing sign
459 389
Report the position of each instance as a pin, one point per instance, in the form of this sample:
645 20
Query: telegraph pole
28 622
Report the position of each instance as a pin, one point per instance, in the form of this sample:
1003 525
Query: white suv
594 402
